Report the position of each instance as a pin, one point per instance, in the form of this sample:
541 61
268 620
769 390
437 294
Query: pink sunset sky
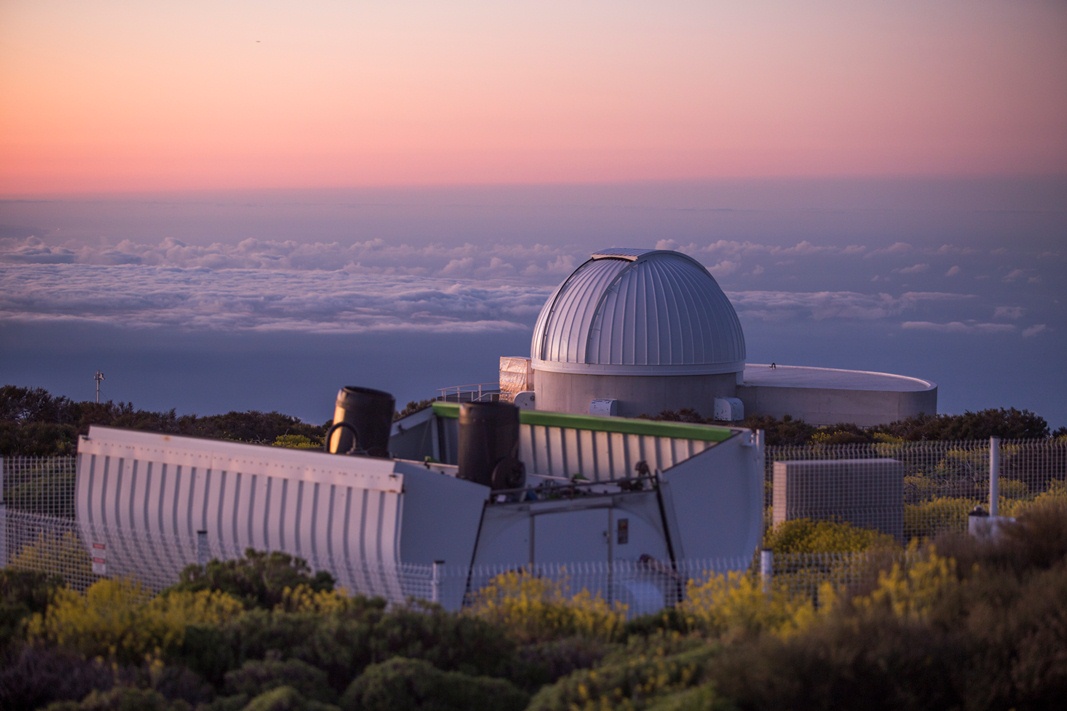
113 96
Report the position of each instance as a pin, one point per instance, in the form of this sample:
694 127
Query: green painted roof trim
622 425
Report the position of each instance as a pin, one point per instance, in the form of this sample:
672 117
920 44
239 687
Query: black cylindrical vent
362 421
489 445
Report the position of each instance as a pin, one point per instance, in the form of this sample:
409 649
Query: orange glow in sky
112 96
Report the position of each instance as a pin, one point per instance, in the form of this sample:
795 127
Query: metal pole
435 583
766 569
994 474
202 553
3 519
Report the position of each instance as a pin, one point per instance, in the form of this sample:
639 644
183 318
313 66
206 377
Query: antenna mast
99 378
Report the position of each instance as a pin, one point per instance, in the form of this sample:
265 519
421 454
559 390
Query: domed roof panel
640 312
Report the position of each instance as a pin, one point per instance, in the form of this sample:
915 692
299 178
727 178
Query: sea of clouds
419 292
372 286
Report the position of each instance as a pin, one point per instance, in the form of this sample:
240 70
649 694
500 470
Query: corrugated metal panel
145 496
639 311
599 456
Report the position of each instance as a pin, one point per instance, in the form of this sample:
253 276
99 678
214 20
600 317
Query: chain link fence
940 484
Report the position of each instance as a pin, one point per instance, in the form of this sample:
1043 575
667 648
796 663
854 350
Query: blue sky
272 300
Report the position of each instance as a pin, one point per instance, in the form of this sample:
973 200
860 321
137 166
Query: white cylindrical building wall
635 395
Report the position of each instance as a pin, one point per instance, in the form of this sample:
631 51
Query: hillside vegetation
961 623
36 423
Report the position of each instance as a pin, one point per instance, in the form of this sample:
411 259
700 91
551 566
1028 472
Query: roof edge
736 366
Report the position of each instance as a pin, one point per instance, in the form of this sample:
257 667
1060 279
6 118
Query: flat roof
616 425
802 376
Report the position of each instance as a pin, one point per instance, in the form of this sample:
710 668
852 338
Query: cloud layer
377 286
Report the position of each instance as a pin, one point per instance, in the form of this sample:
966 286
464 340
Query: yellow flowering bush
120 620
929 518
534 609
736 604
304 598
912 588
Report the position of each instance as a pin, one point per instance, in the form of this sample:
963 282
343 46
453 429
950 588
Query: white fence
942 483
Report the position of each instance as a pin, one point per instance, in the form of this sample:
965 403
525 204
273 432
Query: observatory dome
638 312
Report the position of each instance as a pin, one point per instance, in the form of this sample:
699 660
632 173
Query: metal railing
475 392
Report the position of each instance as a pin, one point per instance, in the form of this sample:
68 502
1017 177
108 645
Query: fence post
994 475
435 582
3 519
201 548
766 569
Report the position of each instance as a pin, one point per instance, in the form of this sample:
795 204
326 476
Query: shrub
48 491
873 662
37 675
56 553
533 609
120 620
543 663
402 683
257 676
296 441
259 579
804 535
285 698
122 698
1056 493
735 604
919 487
465 643
645 671
22 594
913 589
940 515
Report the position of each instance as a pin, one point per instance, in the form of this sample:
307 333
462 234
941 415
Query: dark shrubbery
22 593
966 623
402 683
258 579
36 423
1003 423
34 676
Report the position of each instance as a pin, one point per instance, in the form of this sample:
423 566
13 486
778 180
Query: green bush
285 698
257 676
122 698
644 672
402 683
451 642
543 663
259 579
52 552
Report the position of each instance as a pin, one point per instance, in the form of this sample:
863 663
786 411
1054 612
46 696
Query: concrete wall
818 406
868 493
636 395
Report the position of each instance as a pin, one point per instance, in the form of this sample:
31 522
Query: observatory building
636 332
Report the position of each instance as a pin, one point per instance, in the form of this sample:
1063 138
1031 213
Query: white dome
638 312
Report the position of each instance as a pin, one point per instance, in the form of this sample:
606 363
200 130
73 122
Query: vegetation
960 622
35 423
1003 423
951 622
